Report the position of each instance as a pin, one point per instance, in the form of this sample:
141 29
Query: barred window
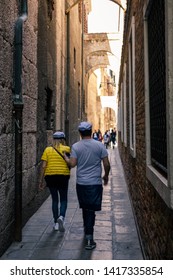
157 85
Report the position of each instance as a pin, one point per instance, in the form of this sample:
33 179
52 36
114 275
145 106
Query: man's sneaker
56 226
61 223
90 244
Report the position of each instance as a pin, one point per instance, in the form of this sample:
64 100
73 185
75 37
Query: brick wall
154 218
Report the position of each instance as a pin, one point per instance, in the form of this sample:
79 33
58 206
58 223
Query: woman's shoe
56 226
61 223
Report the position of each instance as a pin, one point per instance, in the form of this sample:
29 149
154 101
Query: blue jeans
90 199
88 221
58 186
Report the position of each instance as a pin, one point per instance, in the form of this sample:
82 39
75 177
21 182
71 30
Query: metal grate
157 84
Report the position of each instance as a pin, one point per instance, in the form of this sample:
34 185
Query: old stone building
146 121
41 85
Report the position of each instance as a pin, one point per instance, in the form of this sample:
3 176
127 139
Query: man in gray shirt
88 155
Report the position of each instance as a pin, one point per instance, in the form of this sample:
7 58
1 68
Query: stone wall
154 218
6 125
75 74
44 91
93 102
8 18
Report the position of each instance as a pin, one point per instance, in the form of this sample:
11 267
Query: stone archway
102 48
121 3
101 51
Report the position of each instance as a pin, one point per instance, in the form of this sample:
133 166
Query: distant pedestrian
88 155
106 139
100 137
95 135
56 173
113 138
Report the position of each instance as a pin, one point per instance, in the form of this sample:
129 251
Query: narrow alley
115 230
107 62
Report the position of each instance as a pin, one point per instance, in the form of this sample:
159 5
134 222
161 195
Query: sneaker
61 223
56 226
90 244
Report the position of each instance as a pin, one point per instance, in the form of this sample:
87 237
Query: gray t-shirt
89 154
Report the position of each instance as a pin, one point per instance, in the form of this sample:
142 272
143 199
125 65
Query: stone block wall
44 91
34 132
6 124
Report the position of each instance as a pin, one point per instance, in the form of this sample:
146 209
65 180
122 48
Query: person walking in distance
56 173
113 138
88 155
95 135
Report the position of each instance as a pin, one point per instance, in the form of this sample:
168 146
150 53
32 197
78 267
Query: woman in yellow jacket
56 173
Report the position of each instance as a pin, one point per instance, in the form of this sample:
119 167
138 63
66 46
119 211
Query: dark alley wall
154 217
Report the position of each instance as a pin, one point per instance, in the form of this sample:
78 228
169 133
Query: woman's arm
42 171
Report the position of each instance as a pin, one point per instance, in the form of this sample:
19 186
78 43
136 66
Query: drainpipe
67 80
17 113
82 61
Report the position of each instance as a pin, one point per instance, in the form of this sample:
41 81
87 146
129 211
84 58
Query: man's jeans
88 221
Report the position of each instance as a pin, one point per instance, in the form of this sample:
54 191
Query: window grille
157 84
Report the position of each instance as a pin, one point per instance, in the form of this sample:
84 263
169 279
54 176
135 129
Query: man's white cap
84 126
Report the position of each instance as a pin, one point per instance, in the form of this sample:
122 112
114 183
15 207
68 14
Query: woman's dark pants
58 186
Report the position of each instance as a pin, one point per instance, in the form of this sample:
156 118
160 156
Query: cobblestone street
115 229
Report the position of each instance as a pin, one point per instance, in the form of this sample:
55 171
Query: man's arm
72 162
106 165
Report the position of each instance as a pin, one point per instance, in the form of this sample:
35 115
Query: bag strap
61 156
59 153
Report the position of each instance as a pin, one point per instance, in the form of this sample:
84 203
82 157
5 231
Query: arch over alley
102 54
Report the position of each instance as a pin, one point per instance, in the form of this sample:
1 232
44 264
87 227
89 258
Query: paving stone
115 230
101 255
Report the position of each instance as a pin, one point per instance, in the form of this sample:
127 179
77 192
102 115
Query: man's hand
72 162
105 179
106 165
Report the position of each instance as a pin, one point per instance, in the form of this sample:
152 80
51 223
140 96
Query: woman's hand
41 185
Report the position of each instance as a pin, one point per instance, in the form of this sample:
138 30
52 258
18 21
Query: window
158 95
80 11
74 63
132 111
157 85
124 107
79 101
